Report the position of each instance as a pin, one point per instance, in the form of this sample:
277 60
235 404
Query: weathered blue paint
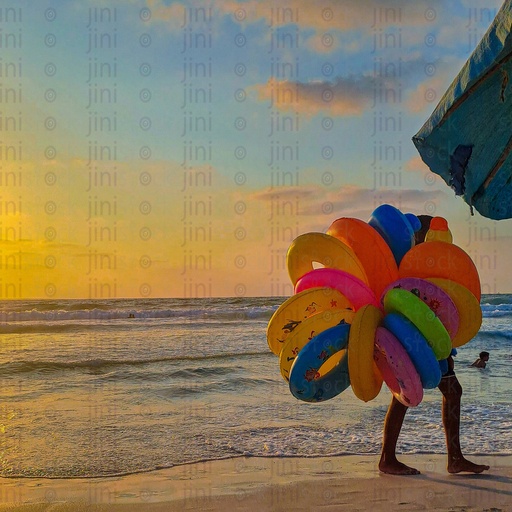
468 138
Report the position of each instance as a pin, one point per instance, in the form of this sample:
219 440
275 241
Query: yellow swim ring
297 308
365 377
324 249
308 329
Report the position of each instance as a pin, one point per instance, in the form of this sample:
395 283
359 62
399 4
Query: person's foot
395 467
460 464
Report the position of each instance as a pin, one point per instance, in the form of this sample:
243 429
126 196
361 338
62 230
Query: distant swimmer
481 362
131 315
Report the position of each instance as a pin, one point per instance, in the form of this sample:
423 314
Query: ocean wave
498 298
496 310
48 366
195 386
106 314
496 334
222 309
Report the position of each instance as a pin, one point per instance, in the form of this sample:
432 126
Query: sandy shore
327 484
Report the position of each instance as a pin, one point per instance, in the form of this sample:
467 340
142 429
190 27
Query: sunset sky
152 148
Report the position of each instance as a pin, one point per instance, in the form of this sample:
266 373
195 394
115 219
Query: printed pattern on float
310 328
306 382
297 308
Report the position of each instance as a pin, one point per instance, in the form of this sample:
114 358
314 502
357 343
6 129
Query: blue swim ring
417 348
304 381
396 228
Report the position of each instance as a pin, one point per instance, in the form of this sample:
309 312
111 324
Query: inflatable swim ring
467 305
396 368
371 249
417 349
357 292
310 328
413 308
297 308
396 228
305 382
444 260
324 249
434 297
365 378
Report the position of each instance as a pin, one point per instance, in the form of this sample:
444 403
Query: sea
93 388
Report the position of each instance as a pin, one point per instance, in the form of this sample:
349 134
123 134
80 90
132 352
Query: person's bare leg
452 391
392 425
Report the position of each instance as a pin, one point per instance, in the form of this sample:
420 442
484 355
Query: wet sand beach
248 484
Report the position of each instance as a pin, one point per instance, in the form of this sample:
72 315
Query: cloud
320 203
426 95
404 81
324 43
429 178
349 96
320 15
172 15
360 202
485 13
285 193
427 84
415 164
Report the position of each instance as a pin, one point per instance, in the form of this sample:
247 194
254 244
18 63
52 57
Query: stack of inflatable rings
379 309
